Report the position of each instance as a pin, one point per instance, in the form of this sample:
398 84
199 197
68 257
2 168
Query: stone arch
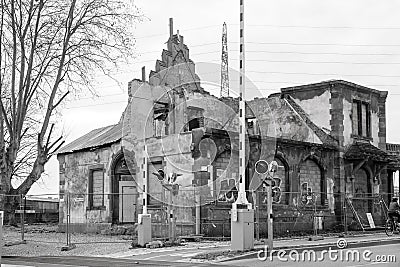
312 174
283 174
225 176
120 172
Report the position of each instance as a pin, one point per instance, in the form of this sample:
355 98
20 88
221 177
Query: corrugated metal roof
95 138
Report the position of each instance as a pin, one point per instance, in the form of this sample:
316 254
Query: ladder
384 206
353 210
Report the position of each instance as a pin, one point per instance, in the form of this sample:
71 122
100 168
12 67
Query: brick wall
310 173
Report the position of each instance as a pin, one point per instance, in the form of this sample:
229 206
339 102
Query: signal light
261 166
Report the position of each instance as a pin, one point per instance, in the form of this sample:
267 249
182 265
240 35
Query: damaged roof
363 149
292 122
95 138
394 150
312 86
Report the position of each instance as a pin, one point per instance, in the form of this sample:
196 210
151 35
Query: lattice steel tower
224 63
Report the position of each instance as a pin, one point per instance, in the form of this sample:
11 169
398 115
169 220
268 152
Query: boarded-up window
355 118
361 119
364 119
96 189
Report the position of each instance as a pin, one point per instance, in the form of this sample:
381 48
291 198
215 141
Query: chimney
143 74
171 27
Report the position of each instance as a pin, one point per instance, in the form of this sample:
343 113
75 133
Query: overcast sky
289 42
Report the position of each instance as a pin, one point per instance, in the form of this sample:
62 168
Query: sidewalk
354 241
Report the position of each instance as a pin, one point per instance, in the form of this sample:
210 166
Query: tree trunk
11 203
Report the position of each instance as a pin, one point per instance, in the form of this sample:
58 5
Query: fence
91 218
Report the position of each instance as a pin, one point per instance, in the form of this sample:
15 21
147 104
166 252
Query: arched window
280 185
311 183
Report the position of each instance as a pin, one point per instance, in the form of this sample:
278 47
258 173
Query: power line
326 74
165 34
307 44
100 104
323 62
274 26
325 44
100 96
324 27
305 53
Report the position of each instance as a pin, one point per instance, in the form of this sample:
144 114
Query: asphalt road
174 254
89 262
383 255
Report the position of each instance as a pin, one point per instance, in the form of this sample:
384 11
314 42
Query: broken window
160 118
361 118
195 118
96 189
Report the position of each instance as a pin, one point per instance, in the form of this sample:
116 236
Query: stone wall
74 179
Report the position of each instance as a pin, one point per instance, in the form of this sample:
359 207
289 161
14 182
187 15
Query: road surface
368 256
90 262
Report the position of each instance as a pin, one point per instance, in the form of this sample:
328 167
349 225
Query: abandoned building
329 139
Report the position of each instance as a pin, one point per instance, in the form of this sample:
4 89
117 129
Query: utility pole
242 214
224 63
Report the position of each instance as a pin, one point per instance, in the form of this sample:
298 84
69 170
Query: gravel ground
46 241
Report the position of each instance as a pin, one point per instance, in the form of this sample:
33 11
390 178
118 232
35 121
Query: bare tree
48 49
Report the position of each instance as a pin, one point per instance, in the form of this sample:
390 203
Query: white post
198 214
270 237
242 199
144 219
242 214
145 183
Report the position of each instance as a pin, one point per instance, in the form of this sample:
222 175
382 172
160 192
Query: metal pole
67 226
257 206
198 214
345 213
173 218
170 215
315 216
1 233
23 202
269 219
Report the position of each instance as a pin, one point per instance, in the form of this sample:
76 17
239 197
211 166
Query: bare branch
60 100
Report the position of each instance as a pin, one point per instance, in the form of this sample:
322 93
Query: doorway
124 197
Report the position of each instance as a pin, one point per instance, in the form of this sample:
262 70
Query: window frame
93 169
360 133
195 116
